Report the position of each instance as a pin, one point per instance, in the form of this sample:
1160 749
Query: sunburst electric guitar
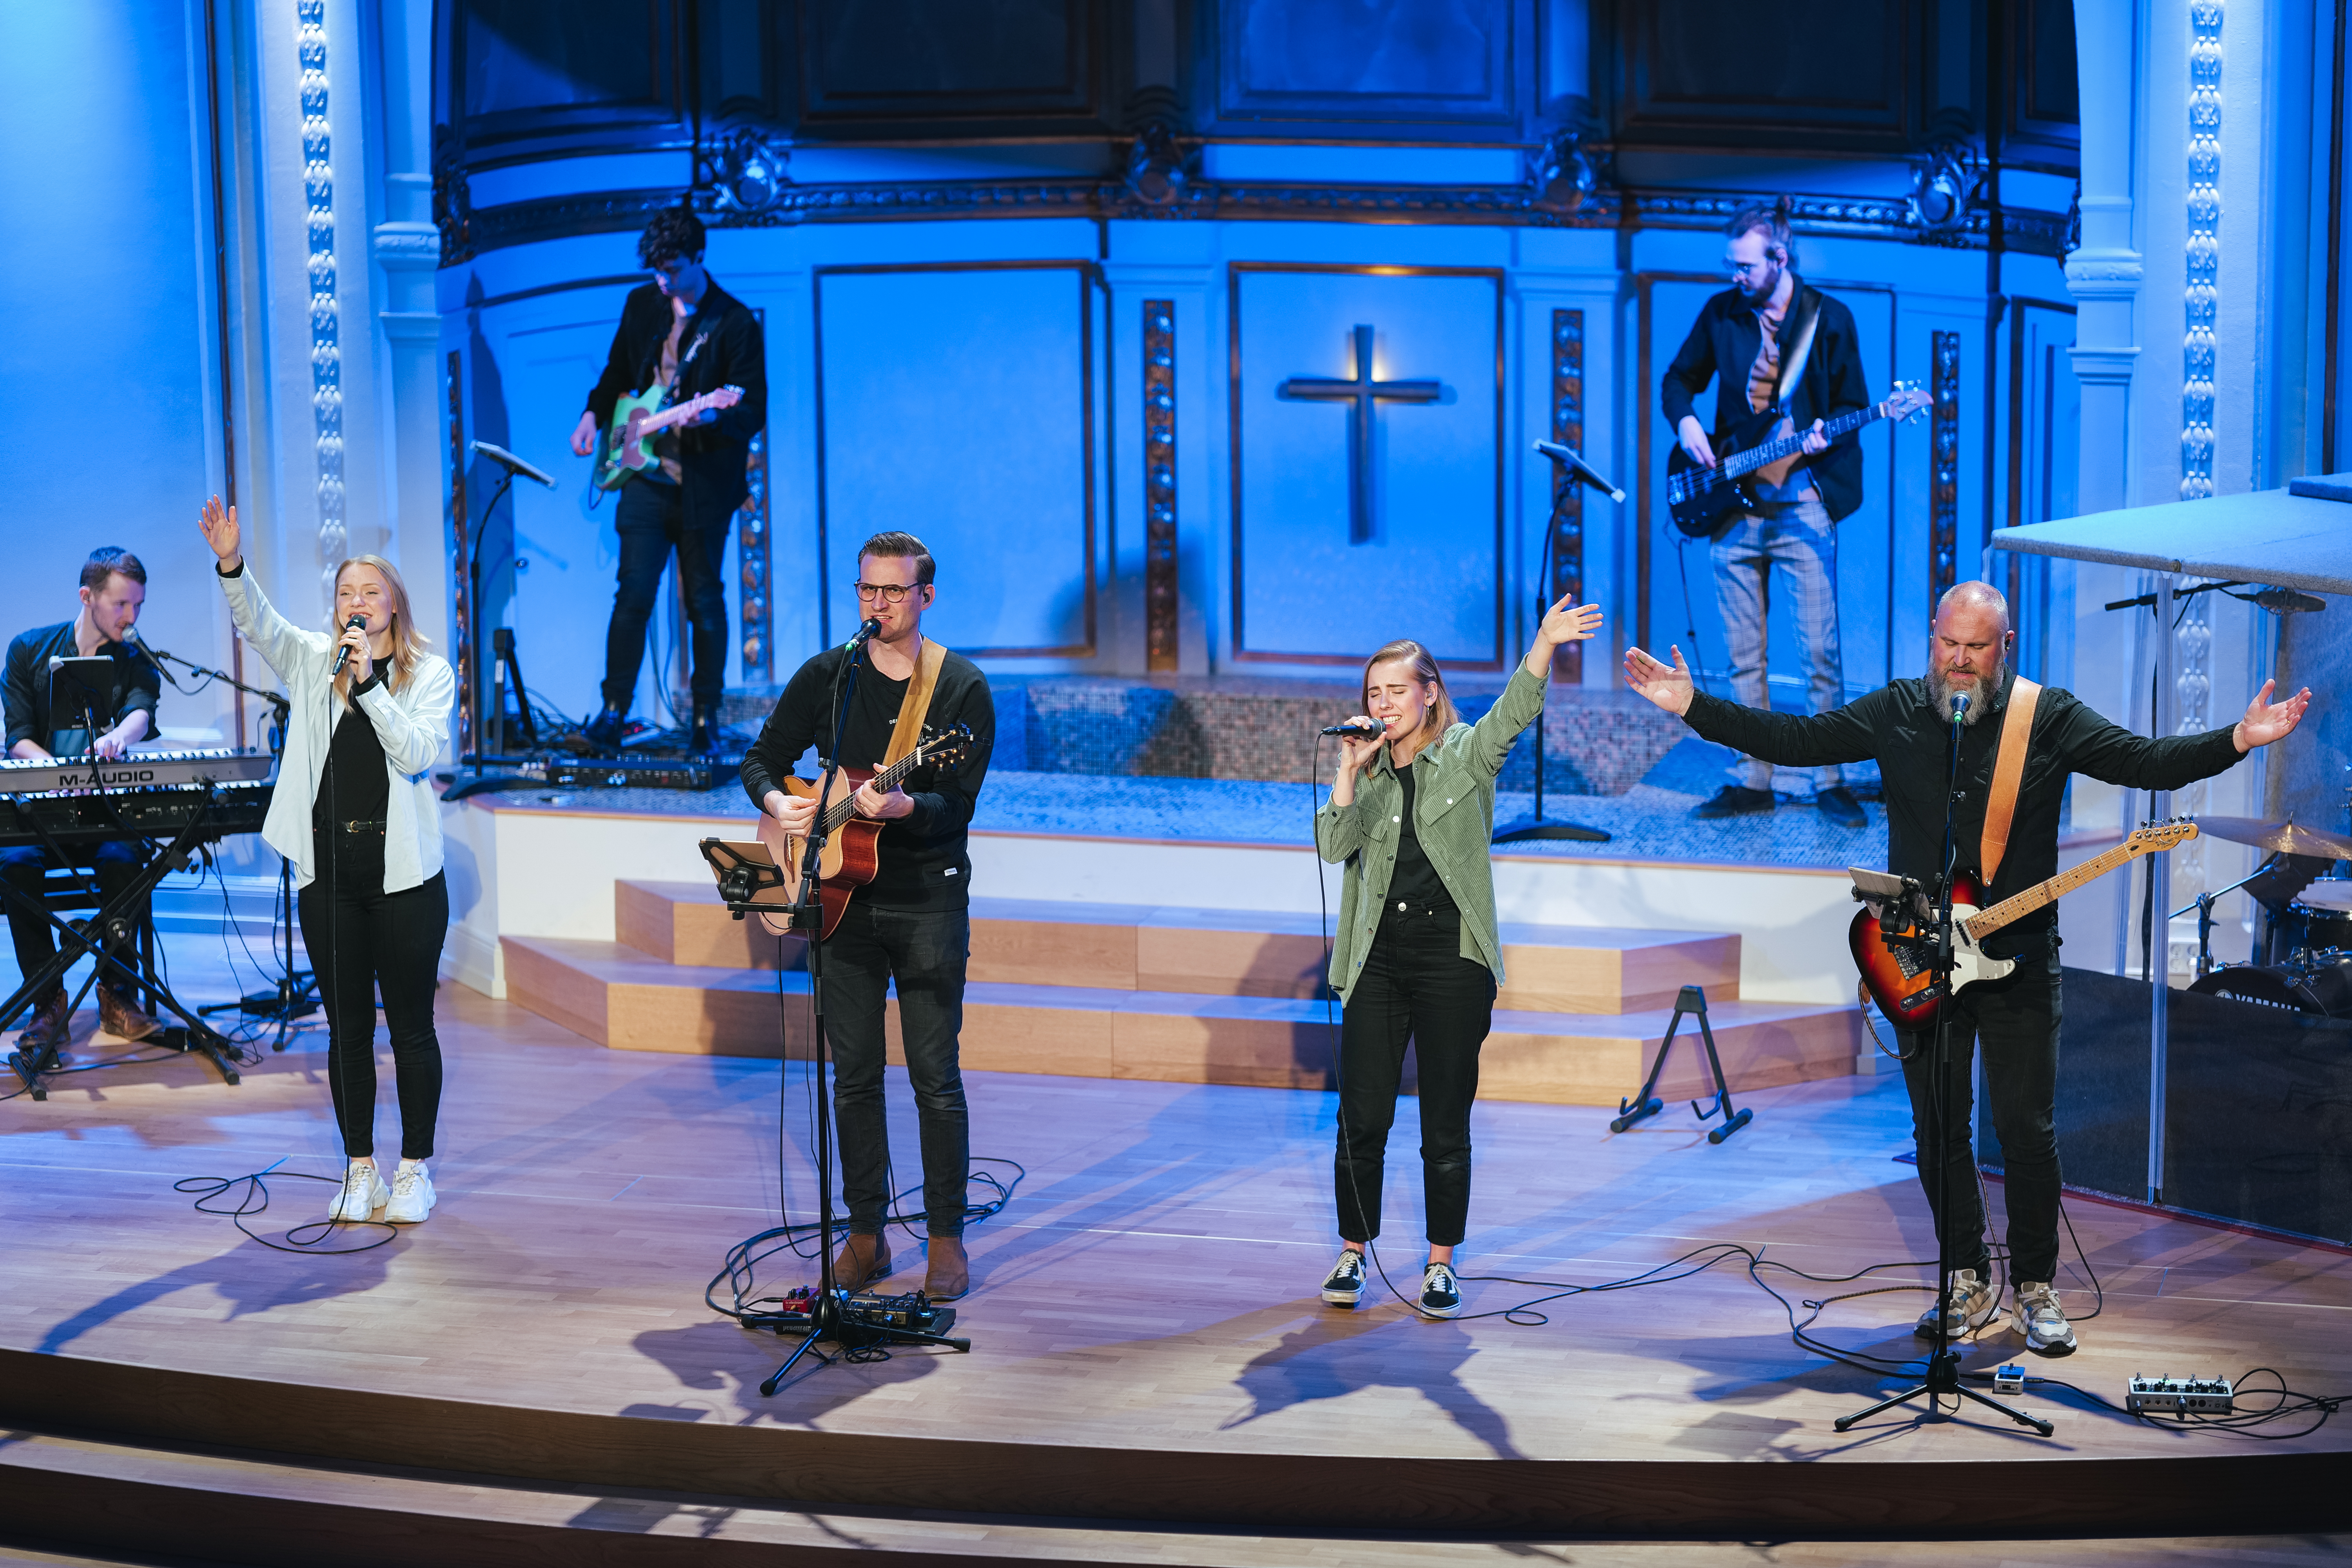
1897 966
849 858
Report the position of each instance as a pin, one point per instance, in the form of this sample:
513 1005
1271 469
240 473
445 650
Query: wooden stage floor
1147 1342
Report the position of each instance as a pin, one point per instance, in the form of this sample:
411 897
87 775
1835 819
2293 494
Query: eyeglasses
888 593
1743 269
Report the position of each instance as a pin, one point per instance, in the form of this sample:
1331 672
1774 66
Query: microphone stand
1538 826
1944 1361
830 1317
296 993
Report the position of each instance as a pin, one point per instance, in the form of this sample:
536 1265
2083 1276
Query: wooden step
1147 947
623 998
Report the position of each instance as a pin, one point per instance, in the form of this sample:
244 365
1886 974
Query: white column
2106 273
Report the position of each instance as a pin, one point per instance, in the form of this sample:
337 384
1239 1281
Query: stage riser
684 923
1699 1498
1172 1037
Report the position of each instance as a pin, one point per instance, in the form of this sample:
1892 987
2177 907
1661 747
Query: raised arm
1492 737
280 643
1786 740
2112 754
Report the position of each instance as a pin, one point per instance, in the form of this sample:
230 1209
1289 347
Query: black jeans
926 952
1415 985
114 866
652 520
361 942
2016 1019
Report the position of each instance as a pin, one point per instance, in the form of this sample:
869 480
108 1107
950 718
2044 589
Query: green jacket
1454 816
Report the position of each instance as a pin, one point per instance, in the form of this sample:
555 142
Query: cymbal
2280 837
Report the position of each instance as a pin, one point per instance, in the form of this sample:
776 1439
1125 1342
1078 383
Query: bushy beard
1980 700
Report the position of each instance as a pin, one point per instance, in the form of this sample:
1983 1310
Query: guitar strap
2008 774
917 704
1801 349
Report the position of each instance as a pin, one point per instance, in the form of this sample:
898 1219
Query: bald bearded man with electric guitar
2018 743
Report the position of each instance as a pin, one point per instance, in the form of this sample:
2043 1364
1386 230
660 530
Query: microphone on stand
133 640
1577 466
344 650
866 631
1371 731
1960 708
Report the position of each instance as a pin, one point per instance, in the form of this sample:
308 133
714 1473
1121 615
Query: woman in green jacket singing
1417 956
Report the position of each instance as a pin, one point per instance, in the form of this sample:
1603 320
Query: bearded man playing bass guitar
912 923
1738 343
684 332
1907 727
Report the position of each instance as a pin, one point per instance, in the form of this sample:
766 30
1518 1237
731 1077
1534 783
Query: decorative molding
407 246
741 174
326 323
1946 186
1159 168
752 548
2201 289
1566 522
1944 471
1564 175
467 231
461 624
1161 585
453 202
2104 367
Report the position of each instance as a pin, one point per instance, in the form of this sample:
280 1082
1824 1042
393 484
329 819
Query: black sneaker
1733 800
702 740
1441 1292
603 731
1345 1287
1841 807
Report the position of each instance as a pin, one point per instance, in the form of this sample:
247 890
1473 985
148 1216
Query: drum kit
2305 961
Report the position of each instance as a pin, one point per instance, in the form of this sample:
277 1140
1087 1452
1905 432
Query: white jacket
413 724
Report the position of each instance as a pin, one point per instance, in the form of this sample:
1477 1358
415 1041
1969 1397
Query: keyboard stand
192 1034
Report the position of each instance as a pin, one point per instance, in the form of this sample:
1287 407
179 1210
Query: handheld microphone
1584 471
1372 732
866 631
343 651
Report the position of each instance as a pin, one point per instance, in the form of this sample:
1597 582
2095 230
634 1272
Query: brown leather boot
862 1260
949 1275
49 1028
119 1014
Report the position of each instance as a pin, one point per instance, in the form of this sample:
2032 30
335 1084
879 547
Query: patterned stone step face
627 1000
1141 947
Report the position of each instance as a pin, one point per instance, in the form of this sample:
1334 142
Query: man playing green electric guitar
688 359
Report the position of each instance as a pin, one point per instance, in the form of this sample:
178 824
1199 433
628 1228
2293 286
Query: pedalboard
610 773
2182 1397
913 1311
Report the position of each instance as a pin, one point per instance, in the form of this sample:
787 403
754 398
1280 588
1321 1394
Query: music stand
83 686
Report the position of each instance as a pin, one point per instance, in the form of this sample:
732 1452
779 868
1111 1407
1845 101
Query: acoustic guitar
1895 965
1704 502
850 856
627 445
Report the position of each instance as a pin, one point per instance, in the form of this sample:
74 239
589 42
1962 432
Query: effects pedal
2009 1379
912 1311
2179 1396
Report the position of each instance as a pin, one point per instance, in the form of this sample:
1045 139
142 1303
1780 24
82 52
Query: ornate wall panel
1824 74
461 630
1161 600
1568 495
326 316
1432 566
957 401
1944 470
1364 67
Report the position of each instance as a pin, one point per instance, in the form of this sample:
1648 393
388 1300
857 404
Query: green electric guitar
628 447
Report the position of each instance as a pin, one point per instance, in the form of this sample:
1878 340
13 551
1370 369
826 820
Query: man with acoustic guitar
684 334
2018 742
912 922
1738 343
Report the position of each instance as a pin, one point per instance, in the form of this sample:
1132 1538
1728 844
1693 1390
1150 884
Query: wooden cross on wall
1361 394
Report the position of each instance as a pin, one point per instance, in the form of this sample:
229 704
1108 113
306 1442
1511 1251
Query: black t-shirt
354 785
26 687
1415 882
924 859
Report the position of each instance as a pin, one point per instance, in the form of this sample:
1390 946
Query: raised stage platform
532 1377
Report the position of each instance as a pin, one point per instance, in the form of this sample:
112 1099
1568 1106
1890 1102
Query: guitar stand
91 937
1693 1002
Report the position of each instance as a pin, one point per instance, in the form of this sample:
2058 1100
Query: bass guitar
1704 502
628 447
850 856
1896 965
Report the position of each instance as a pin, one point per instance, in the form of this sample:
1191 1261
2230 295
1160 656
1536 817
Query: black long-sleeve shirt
924 858
732 353
1721 347
1900 727
137 687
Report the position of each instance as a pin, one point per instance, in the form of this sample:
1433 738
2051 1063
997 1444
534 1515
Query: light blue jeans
1795 542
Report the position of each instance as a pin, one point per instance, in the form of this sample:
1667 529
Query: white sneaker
362 1193
1976 1307
2042 1321
412 1194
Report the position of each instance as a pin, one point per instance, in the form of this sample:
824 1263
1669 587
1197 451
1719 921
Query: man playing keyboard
113 586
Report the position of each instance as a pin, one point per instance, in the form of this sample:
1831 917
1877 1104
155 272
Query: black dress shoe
1841 807
603 731
1733 800
702 740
